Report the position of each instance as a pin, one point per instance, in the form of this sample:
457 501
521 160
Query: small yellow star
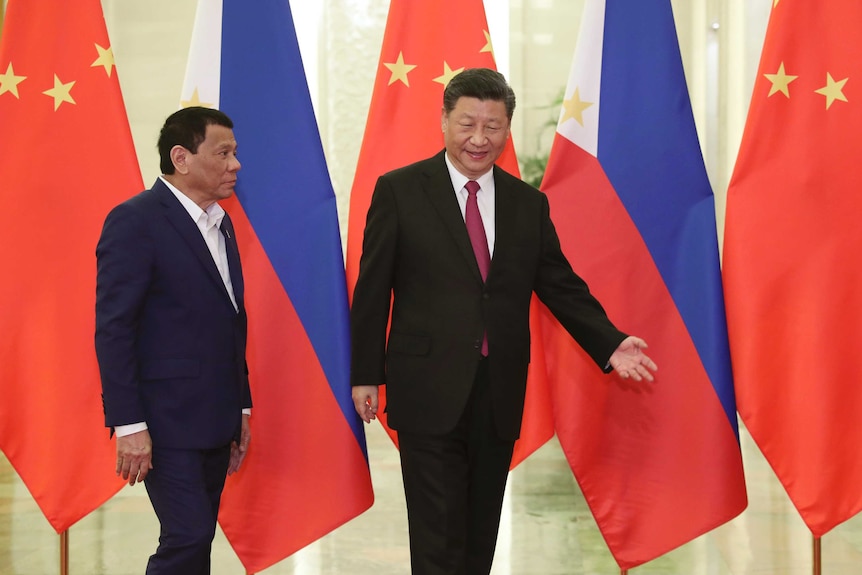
9 82
195 101
833 90
448 74
60 92
399 70
574 108
487 47
780 80
106 59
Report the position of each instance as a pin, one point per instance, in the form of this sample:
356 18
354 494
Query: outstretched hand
629 360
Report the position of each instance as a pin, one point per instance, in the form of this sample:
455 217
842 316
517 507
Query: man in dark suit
171 337
455 365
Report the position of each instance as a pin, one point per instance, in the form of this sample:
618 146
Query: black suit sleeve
373 293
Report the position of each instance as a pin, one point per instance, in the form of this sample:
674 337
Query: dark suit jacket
170 345
417 254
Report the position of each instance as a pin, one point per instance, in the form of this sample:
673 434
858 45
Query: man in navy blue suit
171 337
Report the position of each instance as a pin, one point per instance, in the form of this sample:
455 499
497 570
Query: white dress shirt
484 198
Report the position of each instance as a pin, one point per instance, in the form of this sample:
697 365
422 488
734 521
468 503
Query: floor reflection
546 530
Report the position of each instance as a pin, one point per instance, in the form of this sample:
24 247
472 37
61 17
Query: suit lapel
233 260
180 220
505 210
438 187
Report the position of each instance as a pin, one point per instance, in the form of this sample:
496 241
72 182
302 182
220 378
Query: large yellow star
60 92
399 70
780 80
195 101
833 90
487 47
105 59
448 74
9 81
574 108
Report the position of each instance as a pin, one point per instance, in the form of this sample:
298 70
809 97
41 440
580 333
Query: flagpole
64 552
816 554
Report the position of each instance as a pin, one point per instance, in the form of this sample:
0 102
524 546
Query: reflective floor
546 530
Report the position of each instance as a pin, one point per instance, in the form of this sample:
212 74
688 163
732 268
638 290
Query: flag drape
793 286
658 463
423 47
306 472
67 157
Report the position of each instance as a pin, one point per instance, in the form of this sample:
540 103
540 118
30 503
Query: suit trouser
454 484
185 487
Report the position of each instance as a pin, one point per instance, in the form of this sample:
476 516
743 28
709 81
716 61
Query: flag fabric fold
67 157
423 48
793 289
659 463
306 472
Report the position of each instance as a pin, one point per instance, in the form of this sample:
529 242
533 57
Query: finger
231 468
360 405
645 373
144 469
240 458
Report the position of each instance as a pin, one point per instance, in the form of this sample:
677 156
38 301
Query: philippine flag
659 463
306 472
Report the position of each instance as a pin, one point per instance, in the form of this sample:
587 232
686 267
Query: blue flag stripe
285 187
652 157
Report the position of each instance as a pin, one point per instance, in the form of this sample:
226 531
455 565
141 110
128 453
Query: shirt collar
213 215
459 180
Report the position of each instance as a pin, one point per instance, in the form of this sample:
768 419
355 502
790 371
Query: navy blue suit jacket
170 345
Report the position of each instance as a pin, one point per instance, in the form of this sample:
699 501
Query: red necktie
476 231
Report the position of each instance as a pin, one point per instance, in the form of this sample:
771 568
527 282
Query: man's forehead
219 135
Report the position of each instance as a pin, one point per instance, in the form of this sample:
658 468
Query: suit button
477 344
486 296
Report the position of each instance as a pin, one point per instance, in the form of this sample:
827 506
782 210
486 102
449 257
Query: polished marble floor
546 530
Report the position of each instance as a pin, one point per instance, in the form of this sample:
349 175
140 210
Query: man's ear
179 157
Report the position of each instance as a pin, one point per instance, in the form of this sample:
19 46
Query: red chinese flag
791 258
423 48
67 157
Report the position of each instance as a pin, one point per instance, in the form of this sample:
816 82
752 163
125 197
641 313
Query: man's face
475 133
212 170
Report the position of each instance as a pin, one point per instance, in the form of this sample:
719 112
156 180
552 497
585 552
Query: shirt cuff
124 430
